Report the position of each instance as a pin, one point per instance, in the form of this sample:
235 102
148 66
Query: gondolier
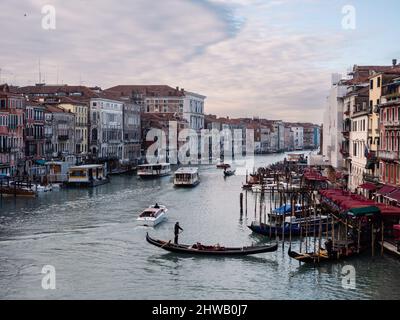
176 231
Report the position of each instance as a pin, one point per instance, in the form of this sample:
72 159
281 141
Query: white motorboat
153 215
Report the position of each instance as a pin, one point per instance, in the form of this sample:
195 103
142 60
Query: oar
169 242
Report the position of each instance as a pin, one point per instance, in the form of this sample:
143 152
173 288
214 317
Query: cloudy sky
267 58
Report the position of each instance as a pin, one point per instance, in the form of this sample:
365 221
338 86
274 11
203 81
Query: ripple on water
100 252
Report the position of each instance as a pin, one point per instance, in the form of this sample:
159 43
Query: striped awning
368 186
385 190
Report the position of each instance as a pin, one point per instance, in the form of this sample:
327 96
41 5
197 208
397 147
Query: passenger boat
215 250
153 215
297 227
89 175
186 177
228 173
153 170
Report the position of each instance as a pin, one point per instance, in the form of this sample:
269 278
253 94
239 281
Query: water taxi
90 175
186 177
154 170
153 215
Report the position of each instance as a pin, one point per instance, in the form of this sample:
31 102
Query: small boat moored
153 215
215 250
89 175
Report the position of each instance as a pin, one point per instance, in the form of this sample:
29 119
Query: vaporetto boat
154 170
186 177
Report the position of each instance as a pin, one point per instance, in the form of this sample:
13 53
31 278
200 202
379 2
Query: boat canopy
285 209
364 211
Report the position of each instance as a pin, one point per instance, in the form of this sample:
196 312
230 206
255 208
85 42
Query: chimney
177 88
394 62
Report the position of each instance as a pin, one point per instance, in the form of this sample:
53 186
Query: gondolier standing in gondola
177 228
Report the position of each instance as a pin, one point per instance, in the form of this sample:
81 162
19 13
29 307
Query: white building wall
193 110
298 136
106 115
333 123
358 142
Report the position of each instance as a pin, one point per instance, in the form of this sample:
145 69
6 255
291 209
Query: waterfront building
131 153
333 122
81 111
59 131
389 148
289 138
193 110
298 137
355 147
12 126
162 121
311 136
165 99
278 136
106 136
34 138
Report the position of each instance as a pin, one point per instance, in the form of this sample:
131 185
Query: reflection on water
92 239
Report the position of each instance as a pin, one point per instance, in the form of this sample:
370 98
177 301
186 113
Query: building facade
34 131
59 131
12 128
81 112
333 122
106 136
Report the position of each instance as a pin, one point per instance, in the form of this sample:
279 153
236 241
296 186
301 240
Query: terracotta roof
55 109
146 90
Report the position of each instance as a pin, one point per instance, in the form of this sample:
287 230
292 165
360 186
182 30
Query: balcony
388 155
63 137
371 178
391 123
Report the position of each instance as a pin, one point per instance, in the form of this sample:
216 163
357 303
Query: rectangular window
379 82
371 84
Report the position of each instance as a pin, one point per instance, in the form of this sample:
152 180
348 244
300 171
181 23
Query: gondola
198 249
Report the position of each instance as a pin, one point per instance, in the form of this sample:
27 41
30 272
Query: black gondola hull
186 249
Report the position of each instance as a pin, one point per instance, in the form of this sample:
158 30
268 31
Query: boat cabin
186 177
151 213
90 175
154 170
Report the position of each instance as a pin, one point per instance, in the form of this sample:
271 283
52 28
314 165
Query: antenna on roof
40 73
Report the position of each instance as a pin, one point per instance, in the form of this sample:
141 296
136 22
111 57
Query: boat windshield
149 214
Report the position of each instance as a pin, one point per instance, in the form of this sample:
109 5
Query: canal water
99 252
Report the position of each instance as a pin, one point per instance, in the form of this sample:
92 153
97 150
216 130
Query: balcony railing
63 137
371 178
388 155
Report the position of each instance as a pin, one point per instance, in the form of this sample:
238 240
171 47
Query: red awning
395 196
385 190
368 186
